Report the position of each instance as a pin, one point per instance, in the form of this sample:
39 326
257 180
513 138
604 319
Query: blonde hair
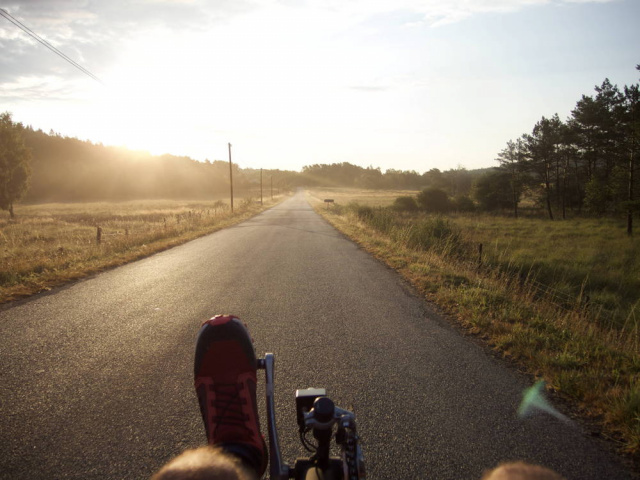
521 471
204 463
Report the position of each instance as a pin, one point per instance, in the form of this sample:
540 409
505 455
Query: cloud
93 33
97 34
35 88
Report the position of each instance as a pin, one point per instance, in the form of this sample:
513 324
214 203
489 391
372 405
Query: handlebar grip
324 409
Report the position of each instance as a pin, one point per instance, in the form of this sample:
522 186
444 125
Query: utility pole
260 186
231 177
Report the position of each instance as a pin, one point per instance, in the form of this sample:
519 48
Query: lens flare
534 400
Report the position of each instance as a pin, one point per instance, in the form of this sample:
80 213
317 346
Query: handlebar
318 414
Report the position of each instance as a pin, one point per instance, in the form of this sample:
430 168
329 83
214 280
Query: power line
31 33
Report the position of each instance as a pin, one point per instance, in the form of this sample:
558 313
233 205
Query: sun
157 87
278 81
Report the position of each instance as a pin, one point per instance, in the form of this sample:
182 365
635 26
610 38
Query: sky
394 84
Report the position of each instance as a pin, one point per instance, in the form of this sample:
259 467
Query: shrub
463 203
434 200
492 191
405 204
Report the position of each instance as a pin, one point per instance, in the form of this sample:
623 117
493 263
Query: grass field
50 244
560 298
580 262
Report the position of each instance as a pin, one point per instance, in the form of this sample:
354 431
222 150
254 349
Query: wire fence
623 321
439 235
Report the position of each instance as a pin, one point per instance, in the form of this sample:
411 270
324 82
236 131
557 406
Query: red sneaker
225 381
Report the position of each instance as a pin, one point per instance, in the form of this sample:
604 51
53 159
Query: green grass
50 244
588 262
527 298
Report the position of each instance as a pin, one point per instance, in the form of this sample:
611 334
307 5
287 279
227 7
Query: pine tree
631 128
14 163
543 153
512 161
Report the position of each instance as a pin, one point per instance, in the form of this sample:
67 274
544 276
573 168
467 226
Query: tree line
40 167
587 163
37 167
67 169
454 182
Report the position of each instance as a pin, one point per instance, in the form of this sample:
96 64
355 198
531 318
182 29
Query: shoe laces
228 405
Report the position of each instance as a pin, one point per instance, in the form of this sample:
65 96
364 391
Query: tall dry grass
47 245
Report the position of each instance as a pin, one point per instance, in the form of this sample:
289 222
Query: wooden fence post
98 235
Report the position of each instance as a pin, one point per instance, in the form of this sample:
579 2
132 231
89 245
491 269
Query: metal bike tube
277 470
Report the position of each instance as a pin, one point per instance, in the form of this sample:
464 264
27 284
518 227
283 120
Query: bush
434 200
463 203
405 204
492 191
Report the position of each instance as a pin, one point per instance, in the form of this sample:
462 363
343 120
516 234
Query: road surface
96 377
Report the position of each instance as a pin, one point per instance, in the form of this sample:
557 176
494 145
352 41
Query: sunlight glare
245 77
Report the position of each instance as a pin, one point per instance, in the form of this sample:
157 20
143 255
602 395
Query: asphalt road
96 377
